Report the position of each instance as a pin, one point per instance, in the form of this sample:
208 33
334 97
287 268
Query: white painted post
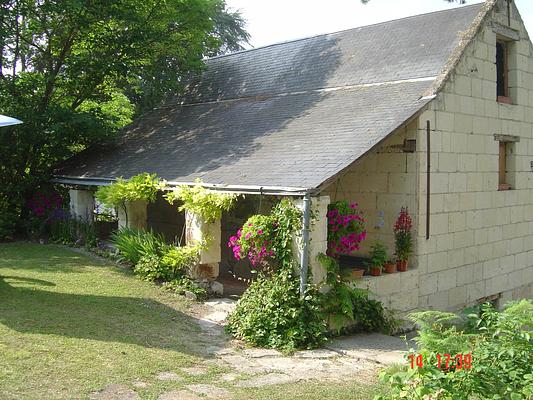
82 204
318 237
198 231
135 215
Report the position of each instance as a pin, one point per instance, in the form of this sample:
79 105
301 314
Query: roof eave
238 189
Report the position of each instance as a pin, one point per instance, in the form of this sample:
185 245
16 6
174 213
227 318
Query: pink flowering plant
346 228
402 235
254 240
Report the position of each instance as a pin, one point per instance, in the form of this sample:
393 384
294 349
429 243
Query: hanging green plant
139 187
201 201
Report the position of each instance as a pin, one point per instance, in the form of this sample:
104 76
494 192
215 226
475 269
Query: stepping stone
168 376
319 354
229 377
139 384
259 353
267 380
194 371
178 395
115 392
210 391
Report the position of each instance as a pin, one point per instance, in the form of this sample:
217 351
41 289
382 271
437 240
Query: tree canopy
75 71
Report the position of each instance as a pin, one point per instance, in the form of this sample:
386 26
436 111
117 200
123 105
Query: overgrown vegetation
500 347
349 309
203 202
76 72
155 261
139 187
273 312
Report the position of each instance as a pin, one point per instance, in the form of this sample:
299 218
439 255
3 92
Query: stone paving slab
375 347
115 392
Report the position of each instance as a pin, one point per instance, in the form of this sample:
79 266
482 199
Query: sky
274 21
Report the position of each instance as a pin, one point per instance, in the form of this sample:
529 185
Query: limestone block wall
381 183
481 241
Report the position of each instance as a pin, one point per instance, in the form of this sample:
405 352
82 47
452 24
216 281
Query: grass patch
310 391
71 325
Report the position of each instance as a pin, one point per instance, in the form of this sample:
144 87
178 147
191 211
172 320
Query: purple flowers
45 204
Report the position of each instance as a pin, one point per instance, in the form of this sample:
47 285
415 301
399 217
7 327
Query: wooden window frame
503 142
502 167
506 99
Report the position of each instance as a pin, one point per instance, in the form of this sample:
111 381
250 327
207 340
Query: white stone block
428 284
446 279
82 204
199 231
134 216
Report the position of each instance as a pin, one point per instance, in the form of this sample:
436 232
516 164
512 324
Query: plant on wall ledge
197 199
378 258
346 228
403 238
139 187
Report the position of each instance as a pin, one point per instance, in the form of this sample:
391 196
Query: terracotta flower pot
375 271
390 268
357 273
401 265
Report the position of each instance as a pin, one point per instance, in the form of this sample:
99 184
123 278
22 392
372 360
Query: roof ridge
343 30
325 89
457 54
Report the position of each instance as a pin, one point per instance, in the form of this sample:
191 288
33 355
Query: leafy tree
77 70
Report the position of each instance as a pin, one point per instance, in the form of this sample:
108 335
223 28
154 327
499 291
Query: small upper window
502 71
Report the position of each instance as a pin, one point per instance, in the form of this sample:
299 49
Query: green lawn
70 325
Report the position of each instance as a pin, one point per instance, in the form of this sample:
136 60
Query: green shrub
501 349
72 231
133 244
173 263
150 268
185 284
349 308
180 260
8 219
271 313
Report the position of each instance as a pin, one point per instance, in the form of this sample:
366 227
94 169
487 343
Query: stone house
433 112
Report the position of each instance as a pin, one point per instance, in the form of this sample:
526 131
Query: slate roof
293 114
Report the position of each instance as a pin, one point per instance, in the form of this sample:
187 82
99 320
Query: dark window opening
503 183
502 72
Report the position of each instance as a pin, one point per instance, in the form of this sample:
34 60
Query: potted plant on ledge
389 267
346 230
403 239
378 257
